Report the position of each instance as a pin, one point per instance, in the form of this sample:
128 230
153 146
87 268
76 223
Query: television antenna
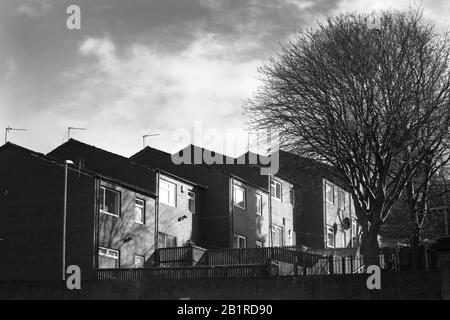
148 135
8 129
72 128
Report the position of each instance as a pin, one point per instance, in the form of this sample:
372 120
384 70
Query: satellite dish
346 223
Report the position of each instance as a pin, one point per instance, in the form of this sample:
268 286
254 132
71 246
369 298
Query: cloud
129 91
10 69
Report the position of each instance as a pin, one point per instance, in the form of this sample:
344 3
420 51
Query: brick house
31 216
236 211
115 216
169 219
324 209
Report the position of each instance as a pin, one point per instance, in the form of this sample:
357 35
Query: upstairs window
348 201
354 227
239 196
329 193
109 201
291 197
258 204
139 210
341 200
191 201
167 193
276 189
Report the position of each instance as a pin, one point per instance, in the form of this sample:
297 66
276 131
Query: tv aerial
8 129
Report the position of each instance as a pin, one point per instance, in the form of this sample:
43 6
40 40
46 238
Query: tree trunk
370 248
415 247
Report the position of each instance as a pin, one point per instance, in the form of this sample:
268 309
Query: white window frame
191 196
354 228
276 228
274 194
110 253
341 194
259 198
166 236
348 201
236 187
143 207
331 230
168 203
329 185
103 190
239 237
140 257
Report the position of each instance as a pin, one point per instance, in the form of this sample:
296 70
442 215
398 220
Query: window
275 189
239 241
191 201
109 201
348 198
139 210
139 261
341 199
330 237
166 241
354 227
167 193
291 196
277 236
259 244
291 242
239 196
330 193
108 258
259 204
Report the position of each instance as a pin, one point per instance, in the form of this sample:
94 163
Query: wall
334 215
31 217
246 222
187 228
308 212
114 230
282 212
215 212
404 285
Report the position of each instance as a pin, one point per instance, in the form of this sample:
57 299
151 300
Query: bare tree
367 94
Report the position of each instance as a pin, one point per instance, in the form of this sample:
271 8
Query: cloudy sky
148 66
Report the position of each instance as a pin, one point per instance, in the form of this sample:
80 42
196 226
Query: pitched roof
9 145
108 164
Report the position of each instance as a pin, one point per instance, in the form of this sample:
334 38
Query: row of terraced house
120 210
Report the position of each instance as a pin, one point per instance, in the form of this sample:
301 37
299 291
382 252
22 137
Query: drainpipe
270 211
66 165
157 212
231 190
324 214
96 220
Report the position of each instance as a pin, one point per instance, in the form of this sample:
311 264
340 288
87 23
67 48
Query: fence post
351 264
330 264
296 266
